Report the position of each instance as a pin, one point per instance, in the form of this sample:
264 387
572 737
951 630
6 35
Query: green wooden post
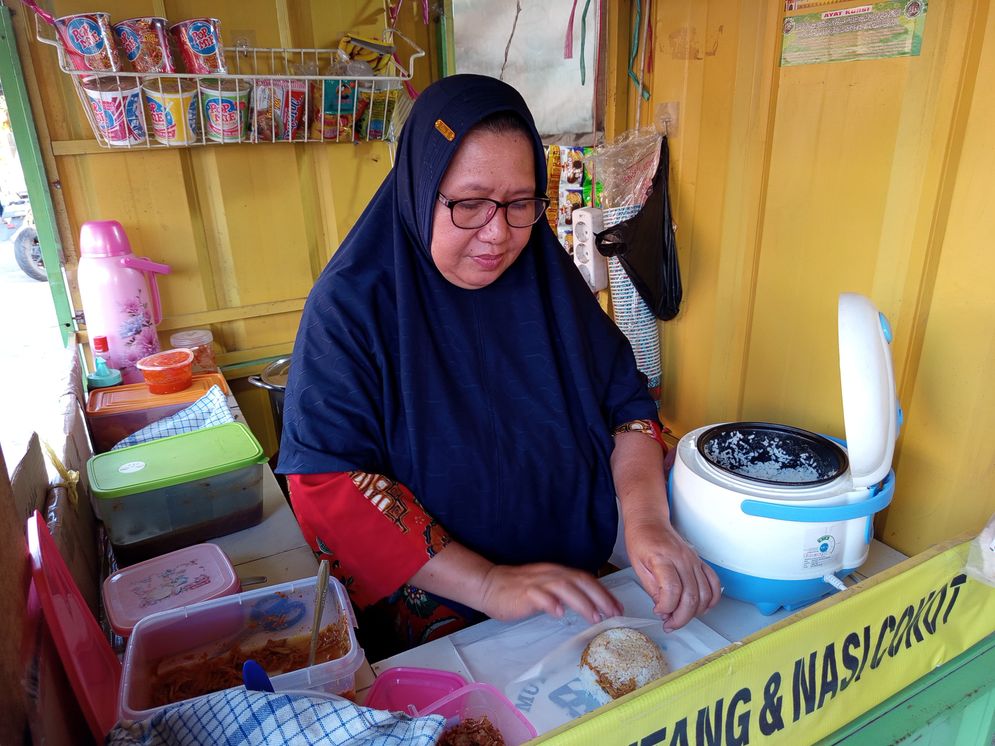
26 139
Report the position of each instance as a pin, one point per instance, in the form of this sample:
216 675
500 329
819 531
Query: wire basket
268 95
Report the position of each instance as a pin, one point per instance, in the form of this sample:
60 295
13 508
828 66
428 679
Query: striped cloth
209 410
237 717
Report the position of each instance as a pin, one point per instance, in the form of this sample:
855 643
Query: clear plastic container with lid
201 342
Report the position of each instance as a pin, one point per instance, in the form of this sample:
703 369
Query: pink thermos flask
120 296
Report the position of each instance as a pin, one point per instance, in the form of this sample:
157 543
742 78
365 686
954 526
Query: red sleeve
372 530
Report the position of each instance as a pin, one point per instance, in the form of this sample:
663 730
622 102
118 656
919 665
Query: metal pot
274 379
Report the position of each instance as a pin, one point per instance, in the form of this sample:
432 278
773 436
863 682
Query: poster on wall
524 43
858 32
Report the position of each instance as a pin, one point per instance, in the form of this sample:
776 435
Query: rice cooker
783 514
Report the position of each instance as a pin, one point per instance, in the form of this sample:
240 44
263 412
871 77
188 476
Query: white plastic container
248 620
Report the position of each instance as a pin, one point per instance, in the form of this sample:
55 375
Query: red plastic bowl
169 371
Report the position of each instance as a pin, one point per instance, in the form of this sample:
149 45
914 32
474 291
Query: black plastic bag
646 247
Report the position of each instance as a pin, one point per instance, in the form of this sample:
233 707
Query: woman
460 412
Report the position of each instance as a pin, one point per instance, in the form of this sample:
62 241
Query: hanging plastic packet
625 167
571 193
367 49
553 185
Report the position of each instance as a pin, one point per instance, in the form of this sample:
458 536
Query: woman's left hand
680 583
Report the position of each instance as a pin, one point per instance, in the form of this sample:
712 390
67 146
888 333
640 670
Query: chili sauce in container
116 108
225 104
88 42
172 106
199 43
144 43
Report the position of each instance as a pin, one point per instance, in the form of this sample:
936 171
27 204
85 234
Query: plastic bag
625 168
647 248
981 555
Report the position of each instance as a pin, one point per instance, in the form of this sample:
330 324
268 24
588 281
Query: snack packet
279 109
378 107
366 49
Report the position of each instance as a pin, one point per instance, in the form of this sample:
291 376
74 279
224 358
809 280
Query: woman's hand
680 583
511 592
508 592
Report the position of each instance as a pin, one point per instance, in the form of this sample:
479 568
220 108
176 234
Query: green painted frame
28 151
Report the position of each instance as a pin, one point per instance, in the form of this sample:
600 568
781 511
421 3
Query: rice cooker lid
870 405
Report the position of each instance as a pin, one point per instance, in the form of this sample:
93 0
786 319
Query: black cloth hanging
646 247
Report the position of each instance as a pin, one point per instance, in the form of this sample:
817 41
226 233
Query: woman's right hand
515 591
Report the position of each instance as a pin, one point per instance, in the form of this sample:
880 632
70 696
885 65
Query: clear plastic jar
201 342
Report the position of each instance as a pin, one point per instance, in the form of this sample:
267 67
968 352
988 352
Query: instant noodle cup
225 104
199 43
88 41
144 43
116 106
172 107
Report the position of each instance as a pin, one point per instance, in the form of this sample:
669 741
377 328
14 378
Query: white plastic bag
981 555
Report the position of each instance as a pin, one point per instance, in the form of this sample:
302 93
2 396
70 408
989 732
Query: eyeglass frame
450 203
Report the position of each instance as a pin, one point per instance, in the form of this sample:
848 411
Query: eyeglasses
477 212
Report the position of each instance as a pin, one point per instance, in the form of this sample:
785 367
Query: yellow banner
804 678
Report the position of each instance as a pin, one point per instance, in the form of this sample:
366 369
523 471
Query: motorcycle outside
27 250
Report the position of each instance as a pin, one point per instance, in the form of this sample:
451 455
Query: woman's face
499 166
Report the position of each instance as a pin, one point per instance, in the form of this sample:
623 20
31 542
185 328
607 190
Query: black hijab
494 406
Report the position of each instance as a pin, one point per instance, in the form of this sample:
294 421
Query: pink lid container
180 578
476 700
408 690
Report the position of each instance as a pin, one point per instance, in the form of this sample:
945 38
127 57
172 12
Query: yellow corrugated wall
792 185
245 228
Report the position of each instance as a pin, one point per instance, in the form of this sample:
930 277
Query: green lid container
175 460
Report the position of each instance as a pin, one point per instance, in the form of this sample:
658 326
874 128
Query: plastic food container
168 371
180 578
476 700
115 413
173 492
248 620
408 690
201 341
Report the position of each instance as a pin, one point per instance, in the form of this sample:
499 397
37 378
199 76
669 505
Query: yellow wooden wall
245 228
791 185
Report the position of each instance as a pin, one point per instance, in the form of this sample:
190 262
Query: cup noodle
144 43
225 103
198 41
116 108
88 41
172 106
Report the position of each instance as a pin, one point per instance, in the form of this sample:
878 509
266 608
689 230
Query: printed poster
863 32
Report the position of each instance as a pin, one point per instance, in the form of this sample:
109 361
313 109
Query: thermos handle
151 269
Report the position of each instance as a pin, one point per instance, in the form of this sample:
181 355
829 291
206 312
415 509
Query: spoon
319 607
255 678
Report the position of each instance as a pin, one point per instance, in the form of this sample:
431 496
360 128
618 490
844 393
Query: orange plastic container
169 371
116 412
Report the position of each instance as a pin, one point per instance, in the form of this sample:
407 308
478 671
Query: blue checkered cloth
238 716
209 410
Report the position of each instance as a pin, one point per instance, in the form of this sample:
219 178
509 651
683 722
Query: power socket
588 222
